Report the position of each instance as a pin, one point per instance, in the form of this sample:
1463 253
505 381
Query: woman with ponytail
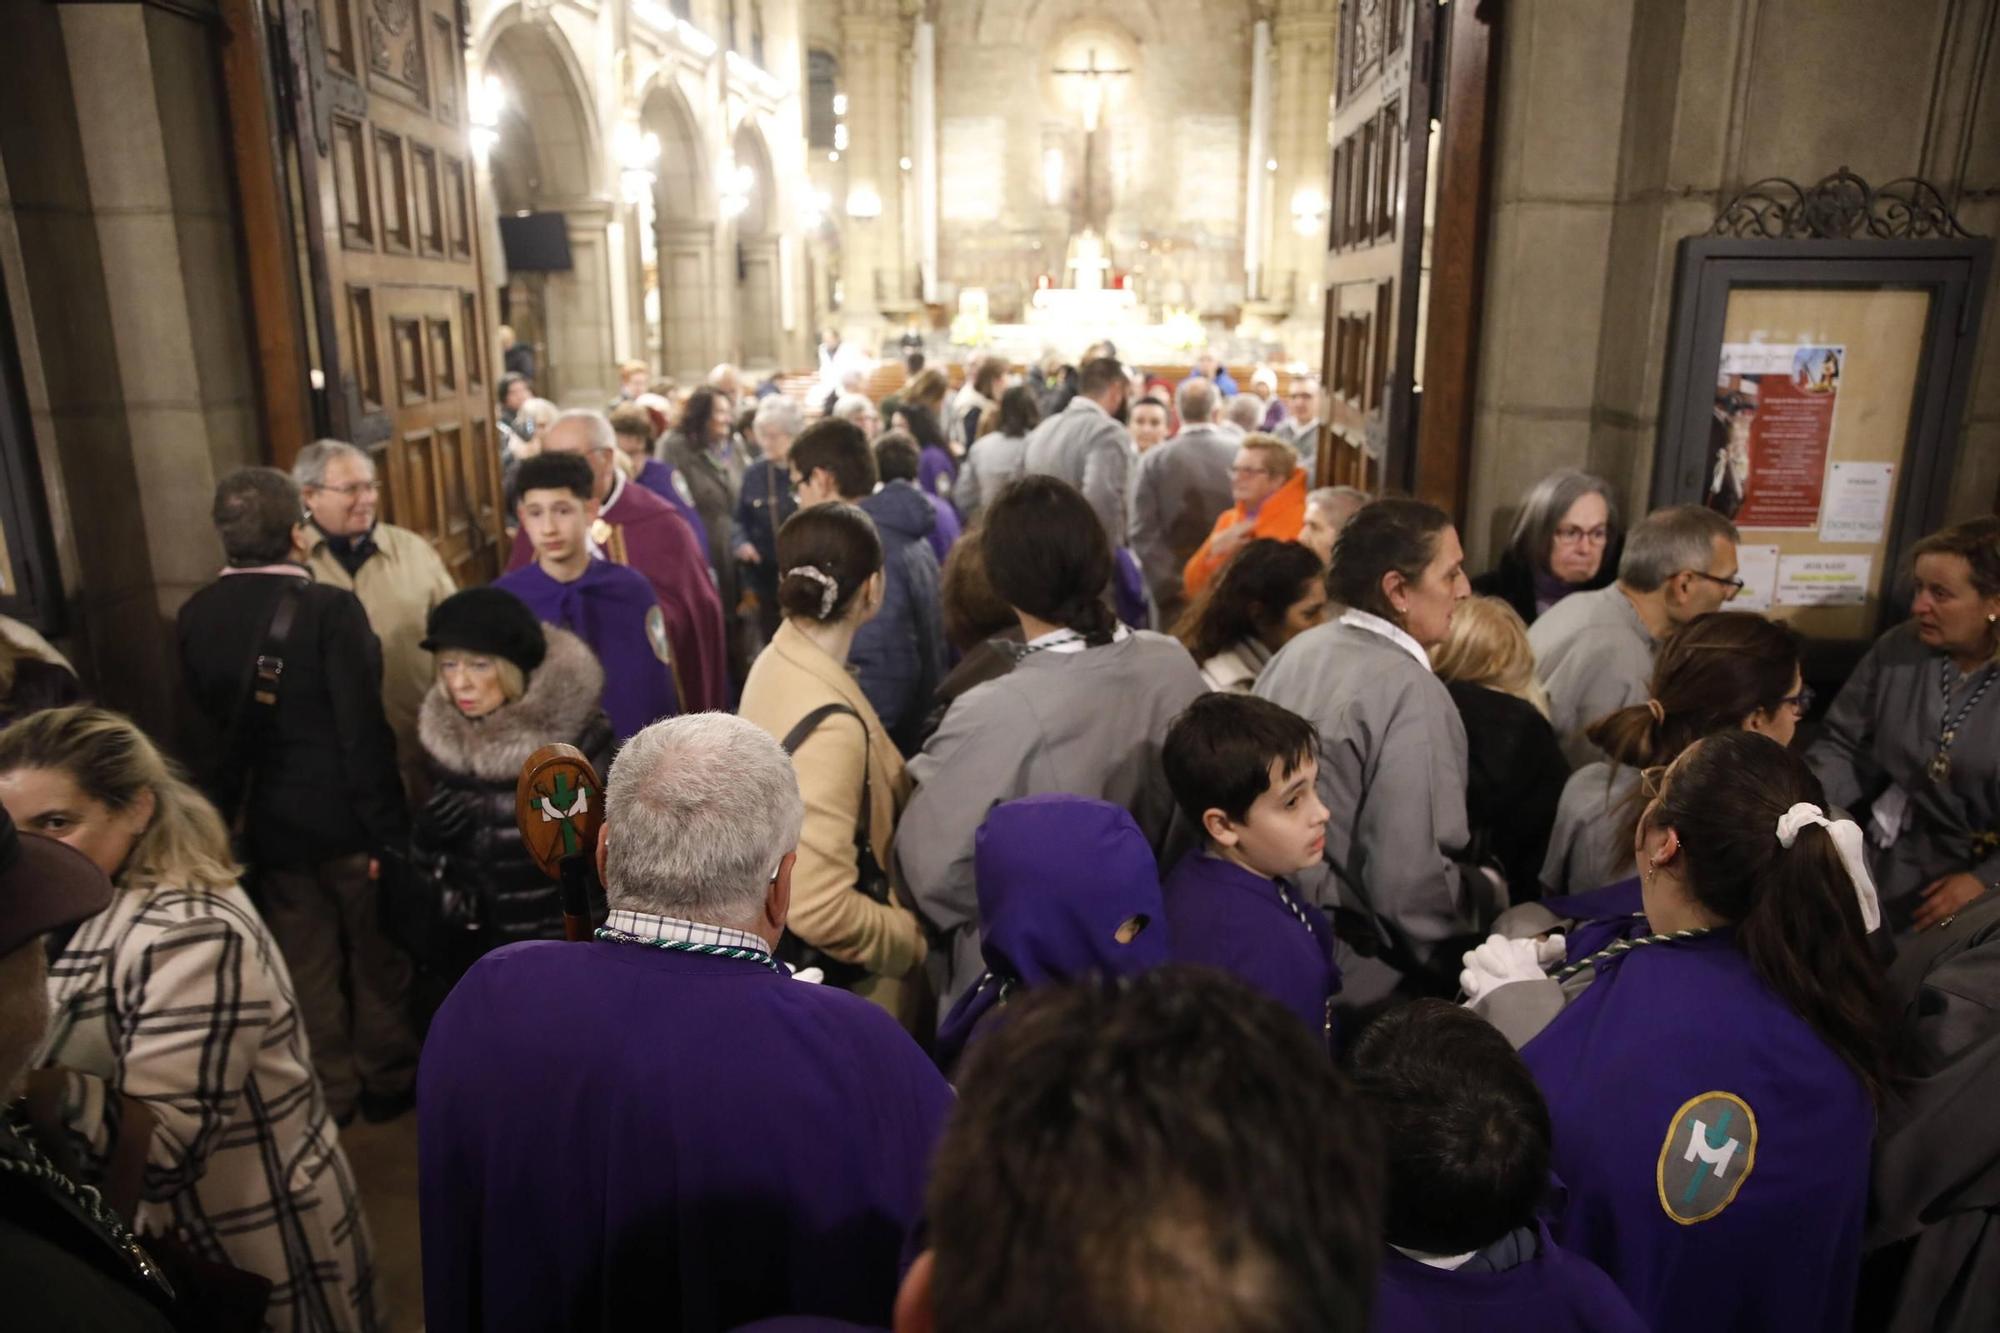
176 1038
1719 672
800 689
1085 711
1712 1084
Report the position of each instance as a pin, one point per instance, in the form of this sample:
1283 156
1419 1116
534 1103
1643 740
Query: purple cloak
1058 877
948 530
1715 1149
1128 589
617 1137
614 611
1220 914
936 471
1554 1292
659 477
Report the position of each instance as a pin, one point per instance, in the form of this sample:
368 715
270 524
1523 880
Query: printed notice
1757 566
1856 506
1822 580
1773 424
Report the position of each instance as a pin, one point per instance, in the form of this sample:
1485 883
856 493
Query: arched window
822 76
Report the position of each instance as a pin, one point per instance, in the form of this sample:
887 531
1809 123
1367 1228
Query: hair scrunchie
1847 840
829 586
1659 712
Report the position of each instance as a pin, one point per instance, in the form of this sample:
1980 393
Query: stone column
871 247
1303 49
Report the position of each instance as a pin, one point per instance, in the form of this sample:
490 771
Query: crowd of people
1060 868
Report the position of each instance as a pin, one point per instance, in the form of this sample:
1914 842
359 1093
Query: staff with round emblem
559 805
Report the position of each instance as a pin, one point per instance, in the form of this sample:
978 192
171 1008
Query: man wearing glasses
397 575
1594 650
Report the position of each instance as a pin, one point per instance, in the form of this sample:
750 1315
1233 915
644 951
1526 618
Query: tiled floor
384 1158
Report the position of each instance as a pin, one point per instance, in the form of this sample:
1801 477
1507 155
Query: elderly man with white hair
763 505
1182 485
663 1127
396 573
860 409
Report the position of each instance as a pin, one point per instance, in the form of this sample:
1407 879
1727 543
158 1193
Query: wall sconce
1308 210
840 104
636 154
840 137
485 101
864 203
813 210
735 183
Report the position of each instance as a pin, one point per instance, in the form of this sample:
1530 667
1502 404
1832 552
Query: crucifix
1093 91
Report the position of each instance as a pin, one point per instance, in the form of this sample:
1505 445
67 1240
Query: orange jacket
1283 514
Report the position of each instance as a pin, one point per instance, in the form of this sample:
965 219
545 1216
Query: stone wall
1624 126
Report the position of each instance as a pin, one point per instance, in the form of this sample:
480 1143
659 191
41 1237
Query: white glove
811 975
1500 961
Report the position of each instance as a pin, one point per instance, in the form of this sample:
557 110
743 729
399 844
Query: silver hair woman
1565 540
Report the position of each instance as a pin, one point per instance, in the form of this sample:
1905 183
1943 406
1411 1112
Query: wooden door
375 121
1374 262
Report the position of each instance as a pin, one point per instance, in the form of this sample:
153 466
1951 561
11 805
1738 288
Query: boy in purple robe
663 1129
1245 771
607 606
1467 1148
1068 889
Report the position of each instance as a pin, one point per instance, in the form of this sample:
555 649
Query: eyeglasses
1734 585
1251 471
1801 702
352 489
1571 535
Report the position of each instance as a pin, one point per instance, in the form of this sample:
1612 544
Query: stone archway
679 283
546 159
758 338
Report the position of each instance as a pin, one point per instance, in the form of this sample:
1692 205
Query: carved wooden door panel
399 308
1374 262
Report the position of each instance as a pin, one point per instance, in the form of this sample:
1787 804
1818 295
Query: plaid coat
181 1000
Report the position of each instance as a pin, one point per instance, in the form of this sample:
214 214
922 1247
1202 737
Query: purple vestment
1554 1292
1715 1149
614 611
658 477
1220 914
948 530
1058 877
936 471
616 1137
1128 589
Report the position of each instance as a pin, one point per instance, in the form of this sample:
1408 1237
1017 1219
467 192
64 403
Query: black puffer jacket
467 846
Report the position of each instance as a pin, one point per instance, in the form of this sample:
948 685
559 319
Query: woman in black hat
506 686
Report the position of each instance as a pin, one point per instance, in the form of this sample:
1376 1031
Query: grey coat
1084 446
1088 723
1587 847
1883 730
991 462
1392 770
1183 487
1594 656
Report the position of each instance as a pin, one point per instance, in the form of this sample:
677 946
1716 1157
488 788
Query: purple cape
608 608
649 537
936 471
1128 589
617 1137
948 530
1057 876
1554 1292
1228 917
659 478
1715 1149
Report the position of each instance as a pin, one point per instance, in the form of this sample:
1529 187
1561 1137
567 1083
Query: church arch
679 285
757 277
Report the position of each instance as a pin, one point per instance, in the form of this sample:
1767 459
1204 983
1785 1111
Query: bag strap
806 726
258 703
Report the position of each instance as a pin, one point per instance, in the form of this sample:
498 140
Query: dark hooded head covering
1068 888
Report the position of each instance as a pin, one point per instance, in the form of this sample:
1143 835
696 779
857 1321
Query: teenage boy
1467 1150
610 607
1244 769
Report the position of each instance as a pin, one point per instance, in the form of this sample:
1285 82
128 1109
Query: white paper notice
1856 505
1823 580
1757 566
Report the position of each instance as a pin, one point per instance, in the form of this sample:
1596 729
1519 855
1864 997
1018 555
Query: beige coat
398 587
789 679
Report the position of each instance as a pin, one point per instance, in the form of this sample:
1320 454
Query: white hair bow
1847 841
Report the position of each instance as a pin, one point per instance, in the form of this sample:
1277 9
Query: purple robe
937 473
648 536
1621 898
1220 914
1554 1292
1756 1224
617 1137
1128 589
658 476
1057 876
948 530
614 611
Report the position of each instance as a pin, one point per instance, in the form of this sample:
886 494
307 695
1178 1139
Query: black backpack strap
257 705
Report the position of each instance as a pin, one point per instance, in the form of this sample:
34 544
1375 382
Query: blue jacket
899 655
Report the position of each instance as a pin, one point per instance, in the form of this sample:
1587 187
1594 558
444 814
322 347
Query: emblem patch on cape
1710 1150
656 634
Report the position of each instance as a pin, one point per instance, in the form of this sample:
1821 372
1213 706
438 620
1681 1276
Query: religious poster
972 153
1856 508
1823 580
1774 406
